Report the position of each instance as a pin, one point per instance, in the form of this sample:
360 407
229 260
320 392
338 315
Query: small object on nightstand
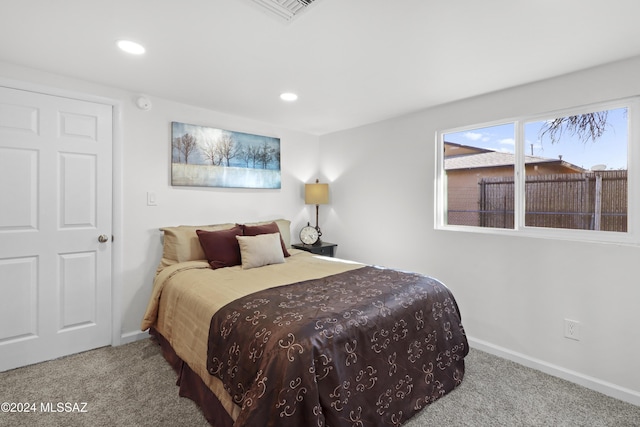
310 235
324 248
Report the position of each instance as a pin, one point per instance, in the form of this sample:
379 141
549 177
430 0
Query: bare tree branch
187 144
587 127
210 152
227 148
265 154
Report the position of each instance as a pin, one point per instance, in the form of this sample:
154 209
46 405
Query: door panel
55 191
19 305
78 197
77 290
18 189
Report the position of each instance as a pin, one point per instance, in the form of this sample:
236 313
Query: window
563 173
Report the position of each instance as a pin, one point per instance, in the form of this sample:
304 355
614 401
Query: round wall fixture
143 103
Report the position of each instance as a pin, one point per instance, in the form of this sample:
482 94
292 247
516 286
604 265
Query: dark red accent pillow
221 247
272 227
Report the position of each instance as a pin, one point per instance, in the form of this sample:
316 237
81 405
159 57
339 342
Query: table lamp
316 194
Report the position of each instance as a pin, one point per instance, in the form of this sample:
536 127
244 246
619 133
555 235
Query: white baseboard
130 337
610 389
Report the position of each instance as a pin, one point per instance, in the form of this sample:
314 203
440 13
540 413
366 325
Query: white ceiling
351 62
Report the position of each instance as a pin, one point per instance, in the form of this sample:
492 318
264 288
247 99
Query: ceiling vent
285 9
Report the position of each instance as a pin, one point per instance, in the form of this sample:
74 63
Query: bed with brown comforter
310 342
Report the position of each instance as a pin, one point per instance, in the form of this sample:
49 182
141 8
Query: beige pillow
263 249
181 243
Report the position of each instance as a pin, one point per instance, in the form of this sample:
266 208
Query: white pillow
263 249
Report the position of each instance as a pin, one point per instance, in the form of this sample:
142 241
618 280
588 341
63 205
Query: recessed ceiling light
131 47
288 96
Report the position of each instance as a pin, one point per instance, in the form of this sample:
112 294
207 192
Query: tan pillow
181 243
272 227
263 249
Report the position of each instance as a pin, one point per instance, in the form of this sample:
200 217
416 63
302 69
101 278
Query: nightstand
324 248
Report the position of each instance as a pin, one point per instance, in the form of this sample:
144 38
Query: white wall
144 165
513 292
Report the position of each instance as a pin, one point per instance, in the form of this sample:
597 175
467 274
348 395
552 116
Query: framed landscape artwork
209 157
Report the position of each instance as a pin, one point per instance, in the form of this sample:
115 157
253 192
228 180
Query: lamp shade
316 194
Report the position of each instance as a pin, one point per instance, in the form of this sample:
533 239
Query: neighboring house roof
455 146
495 159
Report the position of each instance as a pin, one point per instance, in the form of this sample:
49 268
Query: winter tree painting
209 157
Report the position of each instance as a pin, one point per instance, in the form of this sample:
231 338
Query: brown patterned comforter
368 347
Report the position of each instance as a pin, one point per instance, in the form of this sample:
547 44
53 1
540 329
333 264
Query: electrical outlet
572 329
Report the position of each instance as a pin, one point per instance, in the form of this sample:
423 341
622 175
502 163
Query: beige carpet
132 385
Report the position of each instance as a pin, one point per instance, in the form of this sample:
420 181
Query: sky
609 150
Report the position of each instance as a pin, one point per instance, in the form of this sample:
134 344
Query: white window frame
631 236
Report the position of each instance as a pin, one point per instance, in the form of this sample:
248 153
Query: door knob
103 238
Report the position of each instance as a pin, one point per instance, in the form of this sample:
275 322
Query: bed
262 334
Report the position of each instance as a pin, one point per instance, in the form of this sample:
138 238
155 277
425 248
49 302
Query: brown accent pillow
221 247
270 228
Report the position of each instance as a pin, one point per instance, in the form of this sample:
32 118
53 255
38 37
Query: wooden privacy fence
585 201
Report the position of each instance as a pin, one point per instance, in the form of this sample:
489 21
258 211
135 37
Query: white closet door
55 204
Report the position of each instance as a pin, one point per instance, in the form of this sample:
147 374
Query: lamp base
319 241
